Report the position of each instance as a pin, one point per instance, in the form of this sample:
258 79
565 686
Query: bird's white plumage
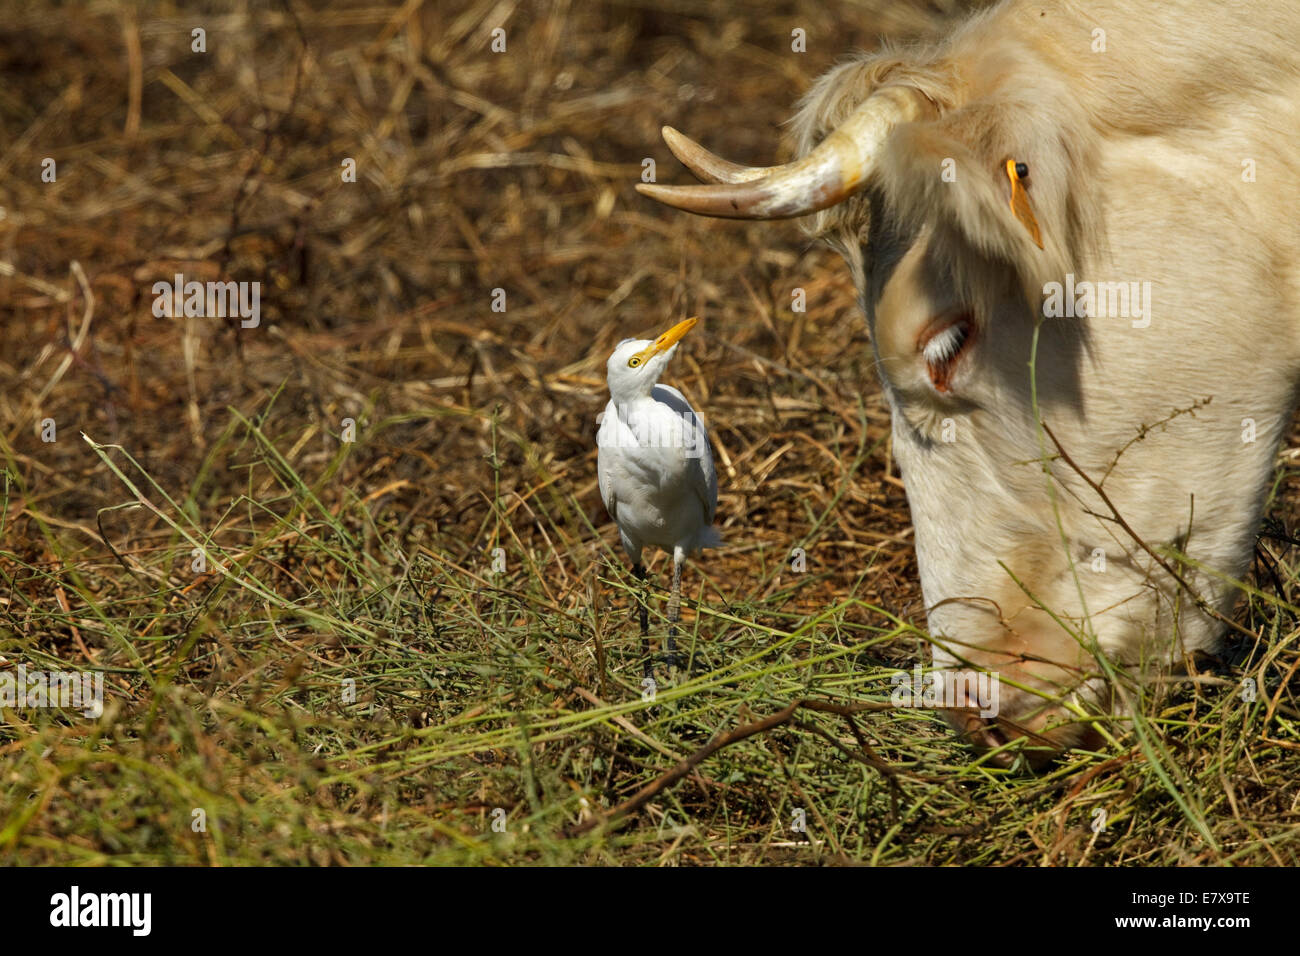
654 464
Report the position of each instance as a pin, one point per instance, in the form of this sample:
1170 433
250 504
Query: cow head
964 186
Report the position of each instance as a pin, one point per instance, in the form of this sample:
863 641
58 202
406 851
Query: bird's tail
709 537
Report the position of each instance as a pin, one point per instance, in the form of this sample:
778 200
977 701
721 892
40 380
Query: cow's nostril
994 735
981 733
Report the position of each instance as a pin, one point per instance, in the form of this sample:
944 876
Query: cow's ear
951 175
927 173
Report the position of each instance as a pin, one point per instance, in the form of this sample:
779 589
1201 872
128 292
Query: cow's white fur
1135 159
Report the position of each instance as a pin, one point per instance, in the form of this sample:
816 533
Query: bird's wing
704 478
706 485
604 461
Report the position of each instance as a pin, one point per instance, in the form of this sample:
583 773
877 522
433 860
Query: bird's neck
632 398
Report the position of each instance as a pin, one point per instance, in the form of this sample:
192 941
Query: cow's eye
942 349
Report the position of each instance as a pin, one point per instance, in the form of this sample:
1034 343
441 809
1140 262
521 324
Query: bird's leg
647 668
674 612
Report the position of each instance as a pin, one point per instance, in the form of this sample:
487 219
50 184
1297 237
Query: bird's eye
633 362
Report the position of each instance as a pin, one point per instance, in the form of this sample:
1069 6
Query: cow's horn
832 172
707 167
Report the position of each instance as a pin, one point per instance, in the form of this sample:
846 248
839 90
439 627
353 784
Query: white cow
1088 215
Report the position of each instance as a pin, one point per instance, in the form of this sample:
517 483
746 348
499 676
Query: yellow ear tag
1020 207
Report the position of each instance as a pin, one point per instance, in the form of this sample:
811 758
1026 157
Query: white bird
655 467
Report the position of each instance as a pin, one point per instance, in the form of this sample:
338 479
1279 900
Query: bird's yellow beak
669 338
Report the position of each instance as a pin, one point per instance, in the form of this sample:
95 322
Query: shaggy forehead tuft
998 100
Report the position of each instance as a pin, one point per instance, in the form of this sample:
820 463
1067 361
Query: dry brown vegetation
371 561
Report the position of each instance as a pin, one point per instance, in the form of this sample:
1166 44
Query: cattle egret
655 467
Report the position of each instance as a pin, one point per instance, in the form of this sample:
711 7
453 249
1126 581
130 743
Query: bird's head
636 364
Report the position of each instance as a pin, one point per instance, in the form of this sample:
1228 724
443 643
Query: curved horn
832 172
707 167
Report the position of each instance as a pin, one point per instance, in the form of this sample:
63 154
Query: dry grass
371 561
